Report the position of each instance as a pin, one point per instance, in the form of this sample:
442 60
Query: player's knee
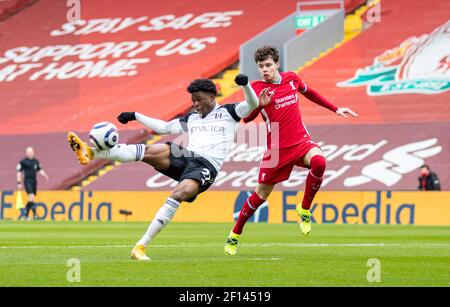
263 191
178 196
147 149
184 194
318 165
148 153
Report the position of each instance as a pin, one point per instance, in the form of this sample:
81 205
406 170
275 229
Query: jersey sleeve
39 167
184 121
252 115
315 97
19 167
231 109
302 88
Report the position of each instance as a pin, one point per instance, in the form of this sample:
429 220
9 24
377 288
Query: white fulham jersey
212 136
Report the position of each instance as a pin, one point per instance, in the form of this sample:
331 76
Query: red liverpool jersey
284 123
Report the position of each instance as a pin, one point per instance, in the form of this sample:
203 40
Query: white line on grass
181 245
221 259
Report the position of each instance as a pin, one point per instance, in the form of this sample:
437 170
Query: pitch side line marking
244 245
222 259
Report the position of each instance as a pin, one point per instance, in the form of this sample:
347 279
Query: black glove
241 80
126 117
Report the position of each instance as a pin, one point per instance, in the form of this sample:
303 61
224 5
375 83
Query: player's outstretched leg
161 219
313 182
83 152
185 190
120 152
248 209
28 208
231 244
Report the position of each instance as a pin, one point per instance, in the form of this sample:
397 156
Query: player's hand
241 80
344 111
265 97
126 117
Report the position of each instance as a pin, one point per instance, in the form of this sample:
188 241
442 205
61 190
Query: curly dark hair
265 52
202 85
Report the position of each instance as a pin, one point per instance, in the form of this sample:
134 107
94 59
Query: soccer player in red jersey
288 141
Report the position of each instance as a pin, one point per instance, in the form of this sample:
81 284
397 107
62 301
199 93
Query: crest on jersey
291 83
420 65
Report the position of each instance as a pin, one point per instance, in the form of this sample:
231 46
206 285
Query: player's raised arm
343 111
251 102
157 125
315 97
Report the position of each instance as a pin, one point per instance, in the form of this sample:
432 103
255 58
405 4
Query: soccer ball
104 135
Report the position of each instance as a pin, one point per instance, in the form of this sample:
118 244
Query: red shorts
277 164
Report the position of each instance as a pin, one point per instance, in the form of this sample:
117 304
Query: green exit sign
307 22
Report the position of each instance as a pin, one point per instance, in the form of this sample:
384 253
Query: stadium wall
302 48
330 207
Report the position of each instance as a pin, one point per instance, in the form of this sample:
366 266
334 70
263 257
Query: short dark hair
265 52
426 166
202 85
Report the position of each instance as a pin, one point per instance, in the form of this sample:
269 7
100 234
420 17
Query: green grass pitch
191 254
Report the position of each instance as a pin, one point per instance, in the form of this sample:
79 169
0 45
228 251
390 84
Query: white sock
122 153
162 218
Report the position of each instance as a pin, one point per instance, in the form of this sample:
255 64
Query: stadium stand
382 107
219 28
399 21
55 156
12 7
156 68
379 115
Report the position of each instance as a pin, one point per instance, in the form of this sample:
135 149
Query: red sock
313 180
251 204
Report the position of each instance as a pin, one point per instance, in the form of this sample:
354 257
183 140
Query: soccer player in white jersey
211 133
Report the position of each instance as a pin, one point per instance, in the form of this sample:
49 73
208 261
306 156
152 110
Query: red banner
59 73
363 157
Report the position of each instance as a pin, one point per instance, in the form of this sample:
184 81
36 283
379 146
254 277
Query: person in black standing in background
428 181
29 166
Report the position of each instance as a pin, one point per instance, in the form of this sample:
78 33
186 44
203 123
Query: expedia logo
261 215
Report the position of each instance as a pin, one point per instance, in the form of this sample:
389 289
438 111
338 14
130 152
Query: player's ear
278 65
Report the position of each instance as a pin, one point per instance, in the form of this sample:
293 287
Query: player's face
29 153
268 70
203 102
424 171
